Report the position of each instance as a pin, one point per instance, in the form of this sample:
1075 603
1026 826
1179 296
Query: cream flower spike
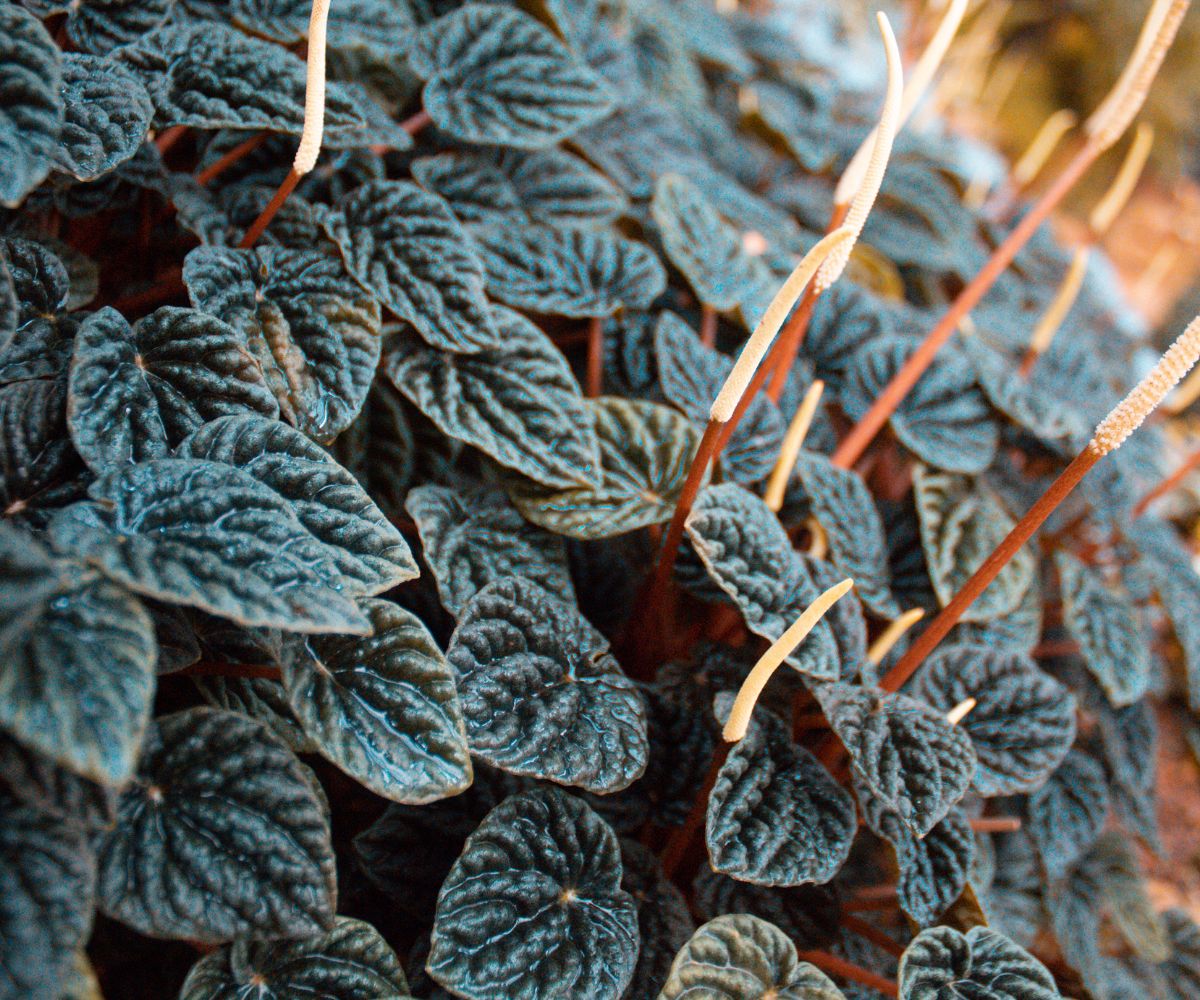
915 85
1118 110
781 649
892 635
772 319
1064 300
793 441
1043 144
862 200
314 91
1109 207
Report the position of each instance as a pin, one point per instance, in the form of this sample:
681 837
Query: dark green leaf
541 694
1183 968
1023 722
351 961
10 307
1123 888
497 76
383 708
664 921
262 699
533 907
845 318
212 537
222 835
645 451
807 914
312 330
31 108
39 782
568 272
99 26
775 815
370 554
383 26
404 246
473 539
1066 815
980 964
379 448
107 116
517 402
738 956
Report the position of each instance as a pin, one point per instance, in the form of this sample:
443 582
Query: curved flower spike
793 441
892 635
1109 207
1043 144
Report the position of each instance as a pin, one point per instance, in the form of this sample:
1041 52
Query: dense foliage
324 658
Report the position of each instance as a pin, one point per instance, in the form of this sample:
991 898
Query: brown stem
207 669
708 326
417 122
168 137
886 903
863 433
1024 530
835 966
1169 483
595 355
168 286
268 213
682 836
214 170
996 824
869 932
1058 647
791 339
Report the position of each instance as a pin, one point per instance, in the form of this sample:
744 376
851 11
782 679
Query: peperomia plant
503 500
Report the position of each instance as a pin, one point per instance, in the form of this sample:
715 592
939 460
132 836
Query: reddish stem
1024 530
274 205
996 824
790 340
168 286
1168 484
214 170
681 837
1059 647
708 326
835 966
206 669
869 932
168 137
417 122
595 355
863 433
885 903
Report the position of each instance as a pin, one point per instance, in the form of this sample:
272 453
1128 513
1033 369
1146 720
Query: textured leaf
31 108
645 451
905 753
473 539
47 877
107 115
383 27
807 914
568 272
962 522
351 962
1014 899
540 692
383 708
1105 623
1023 722
99 26
980 964
38 782
1123 887
533 907
944 420
845 318
370 554
664 920
746 551
775 815
10 307
738 956
516 186
222 835
495 75
1183 969
404 246
1066 815
212 537
312 330
517 402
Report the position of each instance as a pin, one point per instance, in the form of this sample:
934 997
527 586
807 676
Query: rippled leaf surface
313 331
905 753
384 28
568 272
475 538
540 692
645 452
738 956
533 907
383 708
37 781
495 75
664 920
1066 815
517 402
775 815
212 537
351 961
222 835
107 114
980 964
31 108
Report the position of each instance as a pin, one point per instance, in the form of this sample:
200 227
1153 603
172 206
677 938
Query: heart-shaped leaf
31 108
517 402
495 75
645 451
664 920
351 961
905 753
312 329
222 835
384 28
404 246
1066 815
568 272
775 815
47 877
981 964
738 955
383 708
100 26
845 318
1023 722
540 692
212 537
1104 621
962 522
533 907
472 539
107 115
370 554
